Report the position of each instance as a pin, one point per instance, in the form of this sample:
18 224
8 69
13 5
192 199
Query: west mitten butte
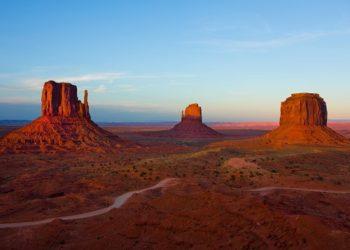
65 125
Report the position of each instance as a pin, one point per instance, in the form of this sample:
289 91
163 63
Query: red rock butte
193 112
304 121
191 125
65 125
61 99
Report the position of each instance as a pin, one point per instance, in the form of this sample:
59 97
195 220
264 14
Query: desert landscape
175 125
62 187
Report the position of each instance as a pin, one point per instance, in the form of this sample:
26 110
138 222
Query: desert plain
161 125
212 203
70 183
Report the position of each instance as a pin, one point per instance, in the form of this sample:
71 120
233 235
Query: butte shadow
64 125
191 126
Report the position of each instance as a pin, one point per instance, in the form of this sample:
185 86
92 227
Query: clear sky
146 60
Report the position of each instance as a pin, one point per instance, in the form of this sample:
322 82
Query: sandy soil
118 202
211 206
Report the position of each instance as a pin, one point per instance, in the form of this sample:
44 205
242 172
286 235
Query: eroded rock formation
193 112
60 99
304 109
65 125
191 126
304 121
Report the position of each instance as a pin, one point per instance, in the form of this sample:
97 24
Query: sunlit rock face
65 125
304 121
193 112
61 99
304 109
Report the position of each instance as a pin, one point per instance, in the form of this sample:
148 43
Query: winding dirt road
122 199
118 202
266 189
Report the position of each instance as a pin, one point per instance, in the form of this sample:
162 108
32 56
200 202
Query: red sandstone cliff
304 109
60 99
65 125
193 112
304 121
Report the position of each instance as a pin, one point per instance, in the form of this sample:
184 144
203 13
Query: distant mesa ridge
65 125
304 121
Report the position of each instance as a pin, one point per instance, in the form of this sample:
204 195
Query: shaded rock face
304 109
61 99
304 121
193 112
65 125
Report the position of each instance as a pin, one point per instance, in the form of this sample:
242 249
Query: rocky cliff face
304 121
61 99
65 125
304 109
193 112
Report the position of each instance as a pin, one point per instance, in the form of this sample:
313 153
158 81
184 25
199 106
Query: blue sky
146 60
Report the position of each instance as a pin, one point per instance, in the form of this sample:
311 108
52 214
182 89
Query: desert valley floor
215 200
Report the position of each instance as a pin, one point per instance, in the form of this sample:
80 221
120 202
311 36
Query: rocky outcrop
304 121
304 109
191 126
84 107
65 125
60 99
193 112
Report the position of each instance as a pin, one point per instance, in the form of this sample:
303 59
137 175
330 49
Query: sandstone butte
304 121
64 125
191 125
